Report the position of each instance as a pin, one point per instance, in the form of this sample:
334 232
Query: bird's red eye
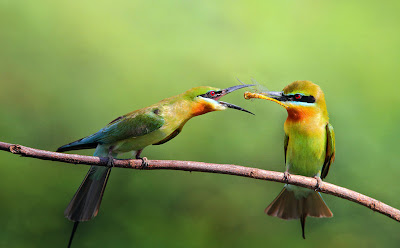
297 96
212 93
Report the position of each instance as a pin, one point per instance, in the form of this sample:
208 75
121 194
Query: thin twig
236 170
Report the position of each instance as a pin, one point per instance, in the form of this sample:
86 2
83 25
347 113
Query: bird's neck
305 118
176 110
201 107
304 114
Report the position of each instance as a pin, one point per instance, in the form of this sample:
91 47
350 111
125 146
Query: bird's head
206 99
300 98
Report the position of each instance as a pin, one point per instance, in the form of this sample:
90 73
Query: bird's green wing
285 144
330 150
170 137
129 126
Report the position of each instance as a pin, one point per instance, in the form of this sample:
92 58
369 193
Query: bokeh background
68 68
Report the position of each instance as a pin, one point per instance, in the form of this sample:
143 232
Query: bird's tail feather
289 206
86 201
73 233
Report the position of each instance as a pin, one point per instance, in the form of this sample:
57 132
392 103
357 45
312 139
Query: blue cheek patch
306 104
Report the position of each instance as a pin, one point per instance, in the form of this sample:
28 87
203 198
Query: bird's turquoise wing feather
330 150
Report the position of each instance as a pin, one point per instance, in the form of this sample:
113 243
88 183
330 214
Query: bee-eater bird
309 148
153 125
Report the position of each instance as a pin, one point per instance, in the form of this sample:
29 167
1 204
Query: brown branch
230 169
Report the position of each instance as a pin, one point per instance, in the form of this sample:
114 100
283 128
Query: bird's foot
286 176
110 162
145 164
319 182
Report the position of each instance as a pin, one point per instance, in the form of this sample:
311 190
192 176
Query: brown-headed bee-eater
309 148
153 125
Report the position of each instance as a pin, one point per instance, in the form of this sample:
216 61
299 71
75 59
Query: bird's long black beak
277 95
233 88
233 106
229 90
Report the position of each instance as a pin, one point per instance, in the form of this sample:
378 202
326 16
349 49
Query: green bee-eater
309 148
153 125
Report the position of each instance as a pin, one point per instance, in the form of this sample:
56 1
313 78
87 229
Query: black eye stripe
307 99
209 95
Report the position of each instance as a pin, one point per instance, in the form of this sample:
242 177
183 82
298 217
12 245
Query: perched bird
309 148
153 125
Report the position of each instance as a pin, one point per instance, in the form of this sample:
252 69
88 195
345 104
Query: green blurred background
68 68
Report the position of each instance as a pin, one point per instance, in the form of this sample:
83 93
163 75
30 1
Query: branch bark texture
229 169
